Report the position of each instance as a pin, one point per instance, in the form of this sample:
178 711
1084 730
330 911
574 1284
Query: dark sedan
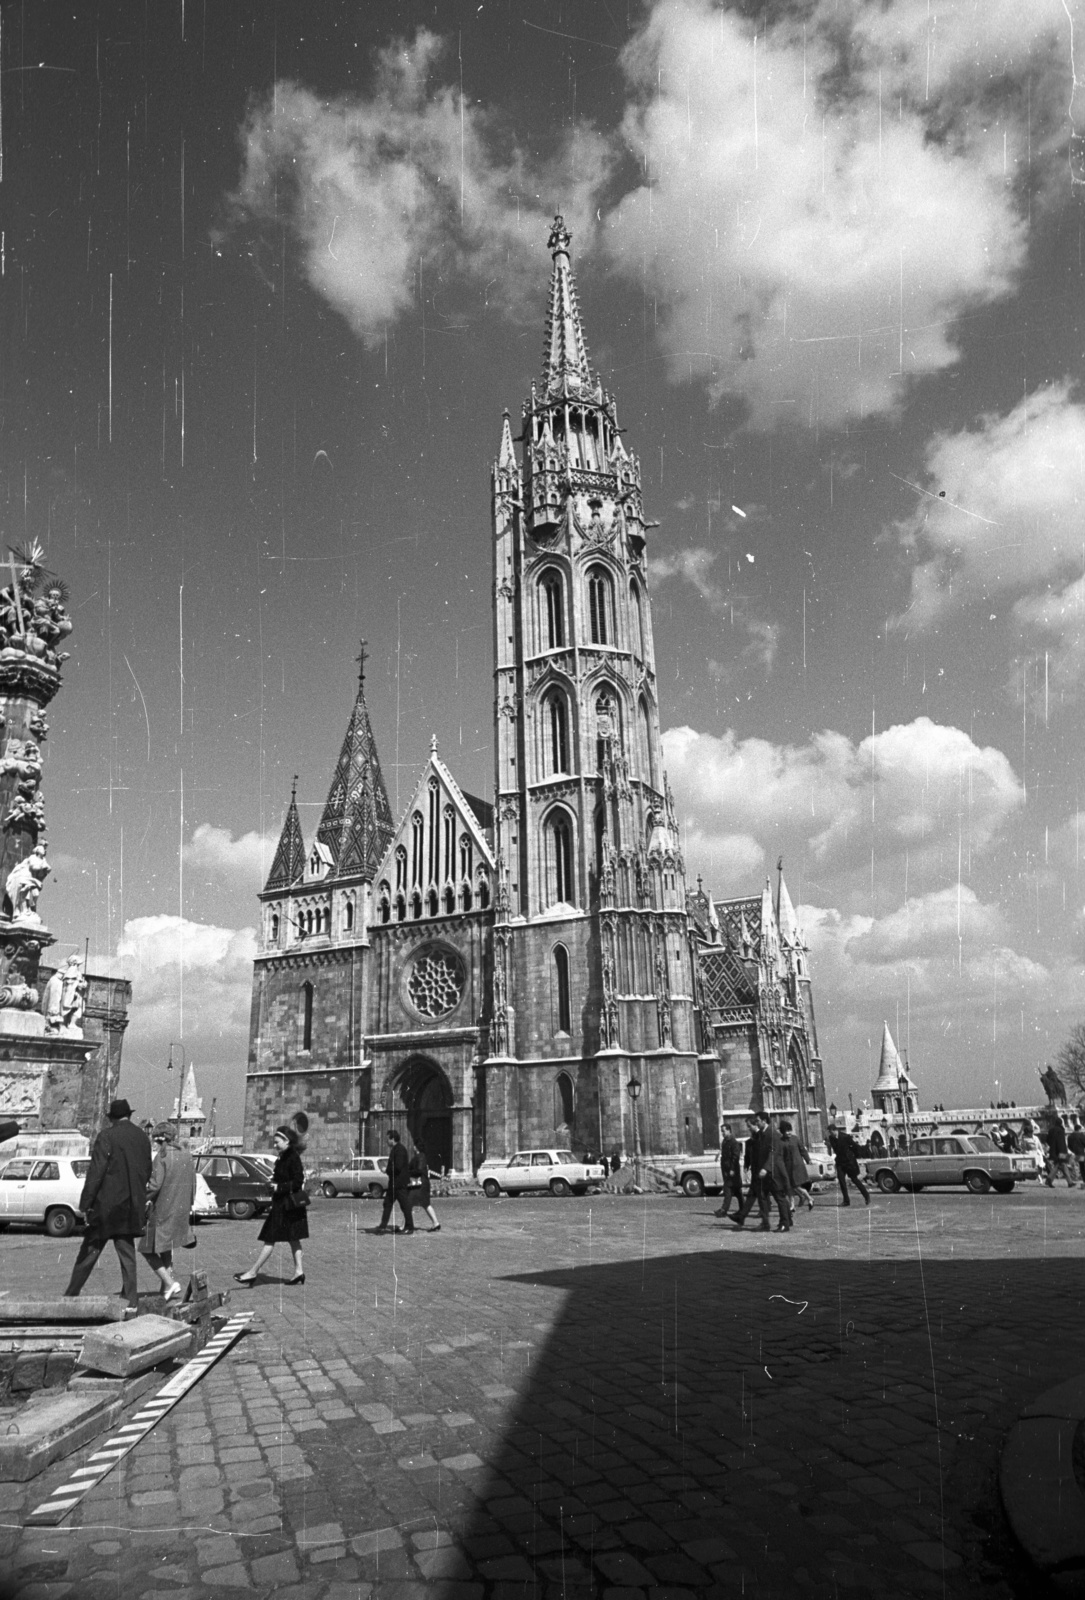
241 1185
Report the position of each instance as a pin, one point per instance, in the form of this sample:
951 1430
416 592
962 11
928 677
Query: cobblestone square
617 1396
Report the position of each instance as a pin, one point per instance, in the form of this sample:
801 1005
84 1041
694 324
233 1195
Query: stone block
130 1347
52 1424
59 1366
29 1373
67 1308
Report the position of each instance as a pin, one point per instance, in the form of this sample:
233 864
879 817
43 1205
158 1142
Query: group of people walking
774 1165
137 1190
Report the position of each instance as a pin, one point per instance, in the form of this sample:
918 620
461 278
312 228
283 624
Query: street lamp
634 1093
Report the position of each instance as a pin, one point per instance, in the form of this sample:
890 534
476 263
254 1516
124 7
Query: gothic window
436 982
274 927
434 835
563 1100
417 830
467 897
385 903
467 856
483 889
636 616
600 606
559 859
401 868
562 1011
553 609
450 900
416 904
401 908
306 1016
308 922
608 725
450 842
557 732
432 903
644 740
600 835
348 915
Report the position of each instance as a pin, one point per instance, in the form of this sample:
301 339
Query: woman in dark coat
286 1222
418 1168
169 1195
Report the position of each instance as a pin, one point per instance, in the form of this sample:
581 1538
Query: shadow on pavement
748 1423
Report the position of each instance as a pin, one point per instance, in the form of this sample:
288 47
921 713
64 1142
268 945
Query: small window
306 1016
563 1101
432 903
467 897
600 606
553 606
275 927
416 905
557 733
401 909
559 851
348 916
520 1161
541 1159
80 1168
450 901
562 1011
47 1172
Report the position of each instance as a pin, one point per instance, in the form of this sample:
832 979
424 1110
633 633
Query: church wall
533 982
740 1066
331 1101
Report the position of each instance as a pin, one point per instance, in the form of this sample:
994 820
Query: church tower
593 978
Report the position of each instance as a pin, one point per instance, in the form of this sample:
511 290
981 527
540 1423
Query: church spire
506 455
357 822
565 353
786 920
289 863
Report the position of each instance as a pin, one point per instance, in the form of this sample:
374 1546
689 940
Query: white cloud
373 185
216 852
728 861
1010 519
824 194
189 976
919 786
928 926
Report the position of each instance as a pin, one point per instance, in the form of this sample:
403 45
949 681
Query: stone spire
565 354
289 863
786 920
891 1073
357 826
506 455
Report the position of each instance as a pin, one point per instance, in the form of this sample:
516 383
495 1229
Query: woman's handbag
297 1199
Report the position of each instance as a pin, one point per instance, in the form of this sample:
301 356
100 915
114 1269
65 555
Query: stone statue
1054 1087
24 885
65 999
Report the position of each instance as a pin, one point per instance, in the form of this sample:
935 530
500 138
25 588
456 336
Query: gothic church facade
490 976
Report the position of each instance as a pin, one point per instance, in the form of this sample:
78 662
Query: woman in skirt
420 1193
169 1196
286 1222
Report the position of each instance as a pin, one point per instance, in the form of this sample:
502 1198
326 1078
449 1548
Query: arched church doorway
425 1094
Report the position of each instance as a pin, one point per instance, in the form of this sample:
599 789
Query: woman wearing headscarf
170 1194
286 1222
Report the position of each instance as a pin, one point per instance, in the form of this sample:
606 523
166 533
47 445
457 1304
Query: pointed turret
506 455
565 355
357 821
786 920
289 863
891 1073
770 937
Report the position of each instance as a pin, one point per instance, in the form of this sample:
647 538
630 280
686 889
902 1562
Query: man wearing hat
114 1199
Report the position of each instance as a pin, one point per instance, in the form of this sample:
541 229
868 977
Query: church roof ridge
356 824
566 367
288 865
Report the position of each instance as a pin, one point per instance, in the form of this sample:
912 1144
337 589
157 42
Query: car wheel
887 1182
693 1185
329 1191
977 1182
375 1191
241 1210
59 1222
560 1187
1003 1186
491 1189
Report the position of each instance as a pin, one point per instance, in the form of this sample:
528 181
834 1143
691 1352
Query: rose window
436 983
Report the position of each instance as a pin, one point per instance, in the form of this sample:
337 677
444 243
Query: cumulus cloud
1000 510
825 192
920 786
217 853
928 926
185 974
372 185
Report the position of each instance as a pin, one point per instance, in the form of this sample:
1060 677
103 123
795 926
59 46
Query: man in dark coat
114 1199
768 1176
846 1155
399 1184
730 1169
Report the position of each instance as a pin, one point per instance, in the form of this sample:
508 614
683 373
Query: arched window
416 904
636 619
557 732
450 900
450 842
600 835
431 901
274 927
433 865
608 725
306 1016
467 897
562 1011
385 912
552 591
600 606
483 890
401 908
563 1101
401 868
417 831
348 915
644 741
559 859
467 856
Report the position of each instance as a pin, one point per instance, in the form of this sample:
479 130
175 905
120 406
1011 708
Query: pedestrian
170 1194
605 1164
114 1200
796 1156
1059 1155
1075 1143
768 1176
1032 1145
730 1169
418 1170
287 1222
399 1184
846 1156
616 1159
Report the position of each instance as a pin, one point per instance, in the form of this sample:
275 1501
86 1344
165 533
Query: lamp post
180 1086
634 1094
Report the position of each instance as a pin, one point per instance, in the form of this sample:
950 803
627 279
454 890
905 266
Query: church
531 970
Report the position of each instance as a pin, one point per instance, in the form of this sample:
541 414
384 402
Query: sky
269 275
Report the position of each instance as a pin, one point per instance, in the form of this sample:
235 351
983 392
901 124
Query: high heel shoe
240 1277
299 1279
174 1292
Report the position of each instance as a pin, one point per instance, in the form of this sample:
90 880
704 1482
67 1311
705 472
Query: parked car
556 1170
240 1185
359 1175
969 1158
32 1190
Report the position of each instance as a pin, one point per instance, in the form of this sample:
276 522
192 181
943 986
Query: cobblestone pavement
617 1397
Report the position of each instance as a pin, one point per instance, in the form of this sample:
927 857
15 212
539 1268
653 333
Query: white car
556 1170
359 1175
48 1191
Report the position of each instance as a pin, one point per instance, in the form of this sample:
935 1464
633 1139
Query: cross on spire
361 658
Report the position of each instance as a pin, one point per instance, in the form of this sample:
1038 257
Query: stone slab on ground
66 1308
49 1425
131 1347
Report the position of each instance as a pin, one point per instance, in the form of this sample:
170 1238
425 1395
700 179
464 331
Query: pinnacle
357 822
566 369
289 864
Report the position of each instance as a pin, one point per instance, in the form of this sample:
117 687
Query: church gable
439 861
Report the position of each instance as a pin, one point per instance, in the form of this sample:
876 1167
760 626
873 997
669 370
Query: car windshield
564 1155
982 1141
